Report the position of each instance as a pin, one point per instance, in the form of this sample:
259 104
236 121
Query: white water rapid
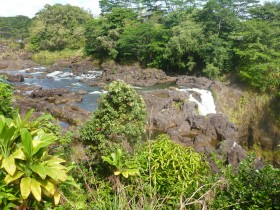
207 104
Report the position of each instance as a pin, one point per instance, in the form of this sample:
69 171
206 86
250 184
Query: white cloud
31 7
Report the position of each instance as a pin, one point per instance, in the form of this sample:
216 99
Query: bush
173 170
6 91
118 121
249 188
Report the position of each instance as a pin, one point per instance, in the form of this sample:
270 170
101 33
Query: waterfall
207 104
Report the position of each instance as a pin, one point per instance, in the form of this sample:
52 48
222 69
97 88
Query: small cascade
207 104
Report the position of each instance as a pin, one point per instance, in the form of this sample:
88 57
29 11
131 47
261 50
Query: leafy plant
250 188
173 170
118 121
117 159
25 159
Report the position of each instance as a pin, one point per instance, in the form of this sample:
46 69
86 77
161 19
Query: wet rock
67 113
49 92
14 78
82 92
194 82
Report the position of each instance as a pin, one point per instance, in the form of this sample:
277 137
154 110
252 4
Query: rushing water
206 105
66 79
63 79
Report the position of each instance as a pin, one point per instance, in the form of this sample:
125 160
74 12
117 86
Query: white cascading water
207 104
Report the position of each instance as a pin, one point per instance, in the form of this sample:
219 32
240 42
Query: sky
31 7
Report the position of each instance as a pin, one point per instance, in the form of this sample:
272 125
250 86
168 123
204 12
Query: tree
14 27
59 26
119 120
257 48
143 43
183 48
103 33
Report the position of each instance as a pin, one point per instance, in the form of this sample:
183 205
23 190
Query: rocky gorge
173 103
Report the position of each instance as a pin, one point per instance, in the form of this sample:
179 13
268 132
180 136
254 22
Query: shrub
173 170
118 121
6 91
249 188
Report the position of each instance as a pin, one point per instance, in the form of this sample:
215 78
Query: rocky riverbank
170 111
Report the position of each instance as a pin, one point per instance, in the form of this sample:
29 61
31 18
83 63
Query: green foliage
6 91
118 121
259 55
14 27
250 188
173 170
25 160
143 43
8 196
58 27
103 33
117 160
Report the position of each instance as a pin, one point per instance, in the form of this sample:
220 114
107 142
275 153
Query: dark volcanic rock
67 113
14 78
49 92
194 82
232 152
225 129
134 75
171 111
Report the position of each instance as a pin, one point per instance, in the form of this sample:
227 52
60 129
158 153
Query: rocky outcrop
134 75
14 78
194 82
17 64
42 93
66 112
171 112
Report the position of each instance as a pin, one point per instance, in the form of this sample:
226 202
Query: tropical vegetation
106 163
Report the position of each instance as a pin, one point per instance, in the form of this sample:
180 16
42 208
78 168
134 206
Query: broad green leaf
42 140
53 160
36 189
48 186
56 197
56 174
9 165
39 169
25 187
26 142
18 154
10 178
